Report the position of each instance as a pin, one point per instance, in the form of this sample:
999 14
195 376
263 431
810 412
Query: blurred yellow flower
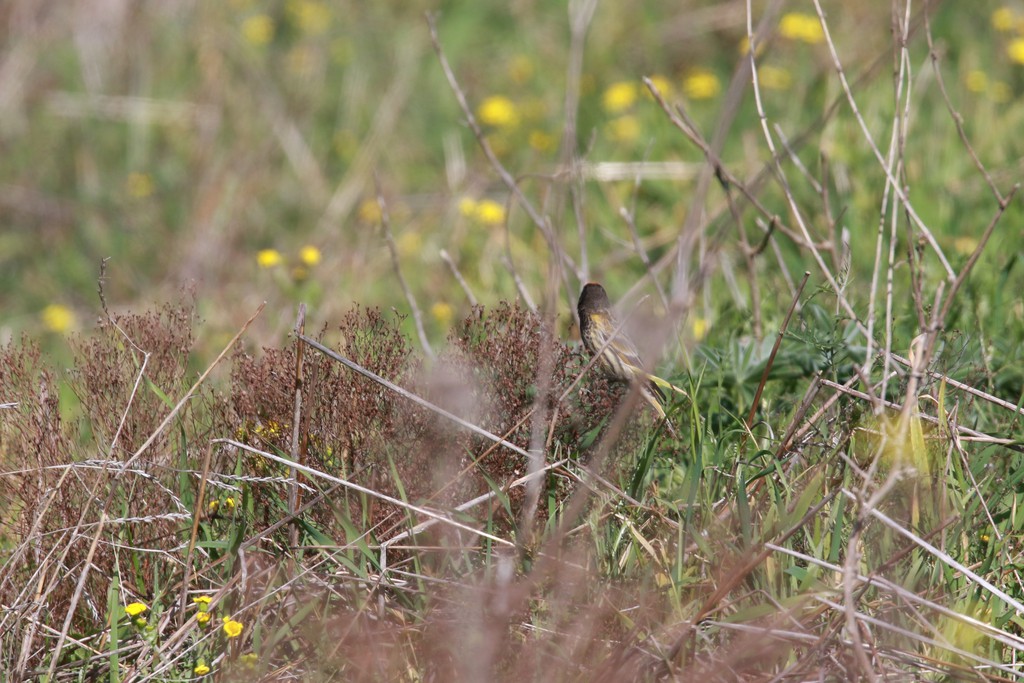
201 669
311 16
467 207
409 244
229 503
624 128
442 312
369 211
490 212
214 504
498 111
201 600
139 185
541 141
249 659
310 255
701 84
202 617
520 69
800 26
232 628
663 85
1016 50
1000 92
618 97
976 80
699 327
258 30
135 609
774 78
1003 19
965 245
58 318
268 258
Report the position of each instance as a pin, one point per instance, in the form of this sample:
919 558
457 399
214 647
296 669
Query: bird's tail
656 404
660 386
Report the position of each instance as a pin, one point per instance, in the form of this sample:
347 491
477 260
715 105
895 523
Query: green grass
796 494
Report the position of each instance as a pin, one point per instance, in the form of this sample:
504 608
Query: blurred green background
233 149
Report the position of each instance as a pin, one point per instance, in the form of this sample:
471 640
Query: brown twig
446 257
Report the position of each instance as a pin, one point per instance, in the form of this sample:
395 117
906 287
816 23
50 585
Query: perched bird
617 355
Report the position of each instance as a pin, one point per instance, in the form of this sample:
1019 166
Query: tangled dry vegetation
840 501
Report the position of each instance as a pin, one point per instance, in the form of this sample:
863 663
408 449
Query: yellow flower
618 97
541 141
310 255
232 628
976 80
268 258
58 318
467 207
214 504
774 78
139 185
663 85
1016 50
135 609
258 30
310 16
1003 19
624 128
369 211
699 327
409 244
490 212
442 312
701 84
520 69
800 26
1000 92
201 600
202 617
201 669
498 111
229 503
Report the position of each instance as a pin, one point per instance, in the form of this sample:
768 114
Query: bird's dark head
593 297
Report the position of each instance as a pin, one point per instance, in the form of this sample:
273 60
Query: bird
616 353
